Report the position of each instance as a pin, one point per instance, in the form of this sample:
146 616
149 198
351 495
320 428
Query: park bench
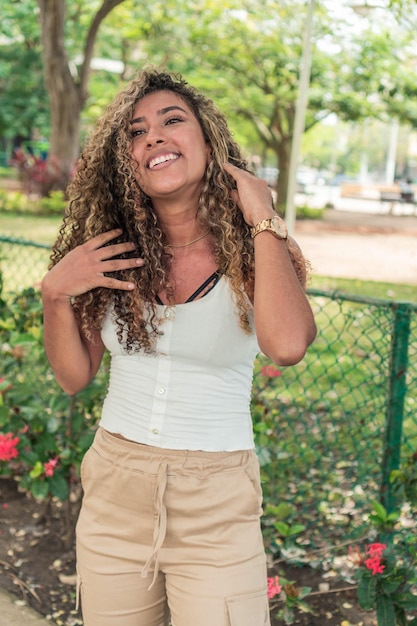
400 196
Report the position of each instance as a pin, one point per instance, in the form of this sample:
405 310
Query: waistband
131 454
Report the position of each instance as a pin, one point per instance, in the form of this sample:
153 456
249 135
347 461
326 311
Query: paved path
12 614
351 244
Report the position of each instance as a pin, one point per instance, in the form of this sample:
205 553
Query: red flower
8 448
374 564
270 370
50 466
274 588
376 550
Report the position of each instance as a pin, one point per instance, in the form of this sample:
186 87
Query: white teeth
162 159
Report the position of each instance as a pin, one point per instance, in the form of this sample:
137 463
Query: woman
171 257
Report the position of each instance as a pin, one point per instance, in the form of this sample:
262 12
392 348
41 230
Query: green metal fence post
397 388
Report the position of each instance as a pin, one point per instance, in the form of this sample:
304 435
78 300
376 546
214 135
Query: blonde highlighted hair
105 194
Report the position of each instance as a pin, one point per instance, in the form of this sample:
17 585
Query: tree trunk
67 94
282 150
66 99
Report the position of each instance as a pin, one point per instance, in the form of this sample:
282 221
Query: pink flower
270 370
8 448
50 466
374 564
376 550
274 588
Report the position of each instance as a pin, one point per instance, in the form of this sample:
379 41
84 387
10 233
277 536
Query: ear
209 153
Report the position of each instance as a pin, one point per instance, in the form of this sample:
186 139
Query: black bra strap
213 278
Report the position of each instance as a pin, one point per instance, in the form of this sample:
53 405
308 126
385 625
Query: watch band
275 225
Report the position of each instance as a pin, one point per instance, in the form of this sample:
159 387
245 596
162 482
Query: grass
39 229
369 288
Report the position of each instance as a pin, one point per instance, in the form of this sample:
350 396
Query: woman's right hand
85 266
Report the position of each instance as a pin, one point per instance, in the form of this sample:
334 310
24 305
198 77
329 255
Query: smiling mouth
162 159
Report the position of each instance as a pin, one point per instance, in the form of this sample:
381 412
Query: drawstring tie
160 526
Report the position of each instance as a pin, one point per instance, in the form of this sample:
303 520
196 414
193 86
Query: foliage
23 101
387 580
305 212
51 430
285 598
387 572
16 202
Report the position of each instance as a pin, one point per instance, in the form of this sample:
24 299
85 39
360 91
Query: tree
67 90
248 59
23 99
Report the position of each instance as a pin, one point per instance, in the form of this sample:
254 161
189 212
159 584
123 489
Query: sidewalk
12 614
360 222
364 246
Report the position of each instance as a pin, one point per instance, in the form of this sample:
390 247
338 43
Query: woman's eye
137 132
174 120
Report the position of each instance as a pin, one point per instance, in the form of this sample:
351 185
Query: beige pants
167 534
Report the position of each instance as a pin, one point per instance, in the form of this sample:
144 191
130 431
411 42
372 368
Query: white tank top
194 392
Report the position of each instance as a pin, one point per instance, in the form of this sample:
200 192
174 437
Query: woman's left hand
252 195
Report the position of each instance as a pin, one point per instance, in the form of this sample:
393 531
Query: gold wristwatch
275 225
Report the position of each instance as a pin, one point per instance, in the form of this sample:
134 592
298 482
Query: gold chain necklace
184 245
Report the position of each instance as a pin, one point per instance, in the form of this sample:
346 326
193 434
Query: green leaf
282 528
367 592
380 510
389 586
303 592
53 424
281 511
37 470
408 601
296 529
394 516
39 489
385 611
59 487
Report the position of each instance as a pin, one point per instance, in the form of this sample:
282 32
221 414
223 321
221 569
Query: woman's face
168 147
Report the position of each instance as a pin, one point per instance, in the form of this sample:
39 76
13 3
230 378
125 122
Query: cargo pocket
249 609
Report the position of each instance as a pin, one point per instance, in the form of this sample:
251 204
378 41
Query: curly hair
104 194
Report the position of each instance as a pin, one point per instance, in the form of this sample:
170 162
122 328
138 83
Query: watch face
279 227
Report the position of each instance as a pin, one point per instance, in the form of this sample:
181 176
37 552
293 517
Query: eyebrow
160 112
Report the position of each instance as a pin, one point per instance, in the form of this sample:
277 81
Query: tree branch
104 10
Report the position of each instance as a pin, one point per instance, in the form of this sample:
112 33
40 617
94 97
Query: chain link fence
330 430
22 263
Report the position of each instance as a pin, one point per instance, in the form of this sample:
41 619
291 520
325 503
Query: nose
154 137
